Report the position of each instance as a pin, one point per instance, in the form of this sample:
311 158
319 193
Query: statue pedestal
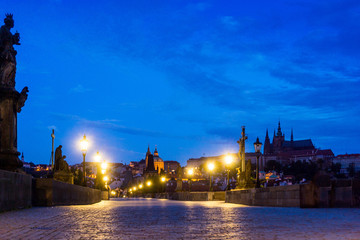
64 177
9 159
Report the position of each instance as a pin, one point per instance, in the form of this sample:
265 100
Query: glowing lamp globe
97 157
211 166
229 159
104 165
84 144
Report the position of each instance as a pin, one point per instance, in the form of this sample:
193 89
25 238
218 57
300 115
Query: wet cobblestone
165 219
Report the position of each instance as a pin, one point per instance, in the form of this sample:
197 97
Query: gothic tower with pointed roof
267 144
280 145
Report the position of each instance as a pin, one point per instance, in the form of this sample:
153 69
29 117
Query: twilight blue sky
185 75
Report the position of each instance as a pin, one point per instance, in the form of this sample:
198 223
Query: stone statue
60 163
8 53
22 98
11 101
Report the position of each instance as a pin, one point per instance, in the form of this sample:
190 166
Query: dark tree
335 168
351 169
273 165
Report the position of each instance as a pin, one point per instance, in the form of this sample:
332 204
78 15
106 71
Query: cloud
229 22
79 89
111 124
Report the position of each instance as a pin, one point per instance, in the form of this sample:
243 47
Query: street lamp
257 146
228 161
148 183
99 172
210 167
106 178
190 173
163 180
140 186
84 146
97 157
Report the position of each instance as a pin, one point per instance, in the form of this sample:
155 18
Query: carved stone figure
8 53
11 101
22 98
60 163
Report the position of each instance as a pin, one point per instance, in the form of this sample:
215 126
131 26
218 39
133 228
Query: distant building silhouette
149 164
279 144
285 151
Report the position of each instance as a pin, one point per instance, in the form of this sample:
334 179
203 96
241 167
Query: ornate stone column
11 102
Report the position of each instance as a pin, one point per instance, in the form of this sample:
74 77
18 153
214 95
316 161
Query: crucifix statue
241 154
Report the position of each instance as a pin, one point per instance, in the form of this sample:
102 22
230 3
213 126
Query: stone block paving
166 219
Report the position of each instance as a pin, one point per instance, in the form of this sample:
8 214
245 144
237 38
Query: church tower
278 140
147 157
267 146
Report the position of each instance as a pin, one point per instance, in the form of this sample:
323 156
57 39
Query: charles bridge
165 219
202 215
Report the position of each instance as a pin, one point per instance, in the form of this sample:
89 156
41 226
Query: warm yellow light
130 190
210 166
191 171
103 171
106 178
113 192
104 165
148 183
228 159
163 179
134 188
84 144
97 157
140 186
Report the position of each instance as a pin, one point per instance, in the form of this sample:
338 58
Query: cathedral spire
292 135
267 146
279 133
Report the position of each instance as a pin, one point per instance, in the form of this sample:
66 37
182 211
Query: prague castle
279 144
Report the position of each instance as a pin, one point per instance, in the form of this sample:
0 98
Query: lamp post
163 180
228 161
257 146
84 147
106 179
190 173
99 174
210 167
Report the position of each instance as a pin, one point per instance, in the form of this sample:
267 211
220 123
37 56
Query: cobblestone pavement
165 219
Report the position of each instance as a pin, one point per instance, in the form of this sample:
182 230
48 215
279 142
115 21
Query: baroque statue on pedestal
8 53
60 163
11 101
